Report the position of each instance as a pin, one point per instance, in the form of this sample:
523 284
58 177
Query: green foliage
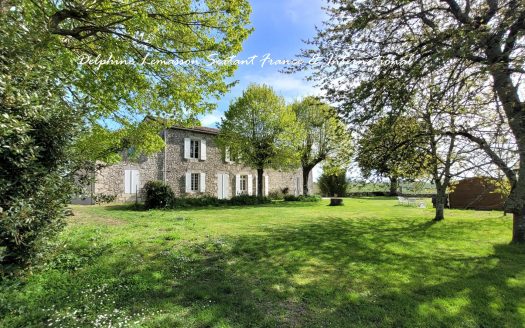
249 200
333 182
46 94
203 201
394 147
259 130
160 196
325 135
157 194
302 198
36 131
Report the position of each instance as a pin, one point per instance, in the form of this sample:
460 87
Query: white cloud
289 86
211 120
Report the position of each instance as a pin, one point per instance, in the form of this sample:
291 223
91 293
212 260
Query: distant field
370 263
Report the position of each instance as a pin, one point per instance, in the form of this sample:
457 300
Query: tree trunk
306 174
441 198
260 180
518 229
394 184
515 111
516 201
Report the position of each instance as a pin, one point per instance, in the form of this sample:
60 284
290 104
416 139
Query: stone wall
110 180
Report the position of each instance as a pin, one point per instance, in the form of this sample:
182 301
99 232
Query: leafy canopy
260 130
394 147
148 35
325 135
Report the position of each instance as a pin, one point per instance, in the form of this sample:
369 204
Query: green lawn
371 263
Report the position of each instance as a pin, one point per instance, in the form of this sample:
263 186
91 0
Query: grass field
370 263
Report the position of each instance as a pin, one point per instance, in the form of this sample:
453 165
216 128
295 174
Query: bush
157 194
36 133
302 198
249 200
333 183
198 201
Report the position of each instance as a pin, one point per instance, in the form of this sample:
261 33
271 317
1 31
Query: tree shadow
335 273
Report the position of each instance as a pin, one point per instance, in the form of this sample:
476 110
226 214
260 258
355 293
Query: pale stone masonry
192 165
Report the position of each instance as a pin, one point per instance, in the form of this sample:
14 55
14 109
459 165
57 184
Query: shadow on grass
338 273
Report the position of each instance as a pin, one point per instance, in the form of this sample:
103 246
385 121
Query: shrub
302 198
290 198
36 132
157 194
198 201
333 183
249 200
276 195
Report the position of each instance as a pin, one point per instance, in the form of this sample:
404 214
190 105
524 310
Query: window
194 148
195 182
243 184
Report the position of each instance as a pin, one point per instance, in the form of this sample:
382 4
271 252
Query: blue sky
280 26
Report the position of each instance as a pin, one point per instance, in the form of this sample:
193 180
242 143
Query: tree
391 46
77 71
260 131
333 182
326 137
119 62
36 133
394 147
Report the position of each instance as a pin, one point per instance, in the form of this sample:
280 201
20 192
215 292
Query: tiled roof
201 129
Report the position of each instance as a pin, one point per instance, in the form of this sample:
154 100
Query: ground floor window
195 177
243 184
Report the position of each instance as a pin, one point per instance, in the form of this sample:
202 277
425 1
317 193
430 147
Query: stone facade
218 176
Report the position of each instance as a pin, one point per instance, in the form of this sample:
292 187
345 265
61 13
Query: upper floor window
194 148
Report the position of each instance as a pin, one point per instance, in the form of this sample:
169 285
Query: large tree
120 61
393 147
391 45
260 131
74 73
325 136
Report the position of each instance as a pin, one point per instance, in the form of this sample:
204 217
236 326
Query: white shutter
250 184
203 150
127 181
237 184
266 185
186 148
188 182
227 158
220 187
202 182
135 181
226 185
256 186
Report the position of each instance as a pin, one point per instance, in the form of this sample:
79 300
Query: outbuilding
477 193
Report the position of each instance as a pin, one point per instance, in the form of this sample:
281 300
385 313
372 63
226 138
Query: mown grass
370 263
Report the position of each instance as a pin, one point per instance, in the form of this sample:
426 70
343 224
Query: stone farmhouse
193 165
